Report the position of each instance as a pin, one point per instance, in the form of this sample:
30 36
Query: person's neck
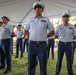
5 23
65 24
19 29
38 16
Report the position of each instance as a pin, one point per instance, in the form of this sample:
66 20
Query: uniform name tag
32 21
61 28
43 20
71 28
5 28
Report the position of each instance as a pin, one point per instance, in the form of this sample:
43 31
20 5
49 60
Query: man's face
1 24
5 21
65 19
19 27
38 11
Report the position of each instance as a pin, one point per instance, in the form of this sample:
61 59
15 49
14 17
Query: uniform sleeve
74 31
22 32
57 31
0 28
11 28
27 27
50 26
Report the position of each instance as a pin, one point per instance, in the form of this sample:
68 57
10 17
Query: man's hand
50 34
13 34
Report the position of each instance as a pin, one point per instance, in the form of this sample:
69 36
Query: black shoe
53 58
21 57
1 67
27 63
36 64
6 71
56 74
16 57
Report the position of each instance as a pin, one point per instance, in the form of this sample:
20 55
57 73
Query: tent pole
25 15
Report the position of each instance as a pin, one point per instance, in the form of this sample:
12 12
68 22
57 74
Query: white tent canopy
21 10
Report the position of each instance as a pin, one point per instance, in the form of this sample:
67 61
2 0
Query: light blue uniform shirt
52 37
19 33
38 28
5 31
65 33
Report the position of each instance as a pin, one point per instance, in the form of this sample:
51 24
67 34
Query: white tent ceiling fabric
17 10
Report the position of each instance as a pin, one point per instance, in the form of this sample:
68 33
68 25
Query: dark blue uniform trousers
11 45
51 45
7 52
19 45
67 48
2 57
39 50
25 43
73 48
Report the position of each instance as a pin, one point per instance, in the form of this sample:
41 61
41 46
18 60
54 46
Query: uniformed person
65 33
36 30
1 23
19 35
2 61
74 45
5 35
50 43
25 42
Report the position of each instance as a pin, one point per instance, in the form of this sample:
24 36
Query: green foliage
73 19
22 27
14 26
19 66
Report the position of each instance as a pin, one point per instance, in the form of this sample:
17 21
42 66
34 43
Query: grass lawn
19 66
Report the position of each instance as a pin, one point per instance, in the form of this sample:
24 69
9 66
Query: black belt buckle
65 42
37 42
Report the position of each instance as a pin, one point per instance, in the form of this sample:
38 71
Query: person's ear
42 10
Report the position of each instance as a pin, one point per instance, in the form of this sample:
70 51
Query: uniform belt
37 42
51 39
64 42
19 38
74 41
5 39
